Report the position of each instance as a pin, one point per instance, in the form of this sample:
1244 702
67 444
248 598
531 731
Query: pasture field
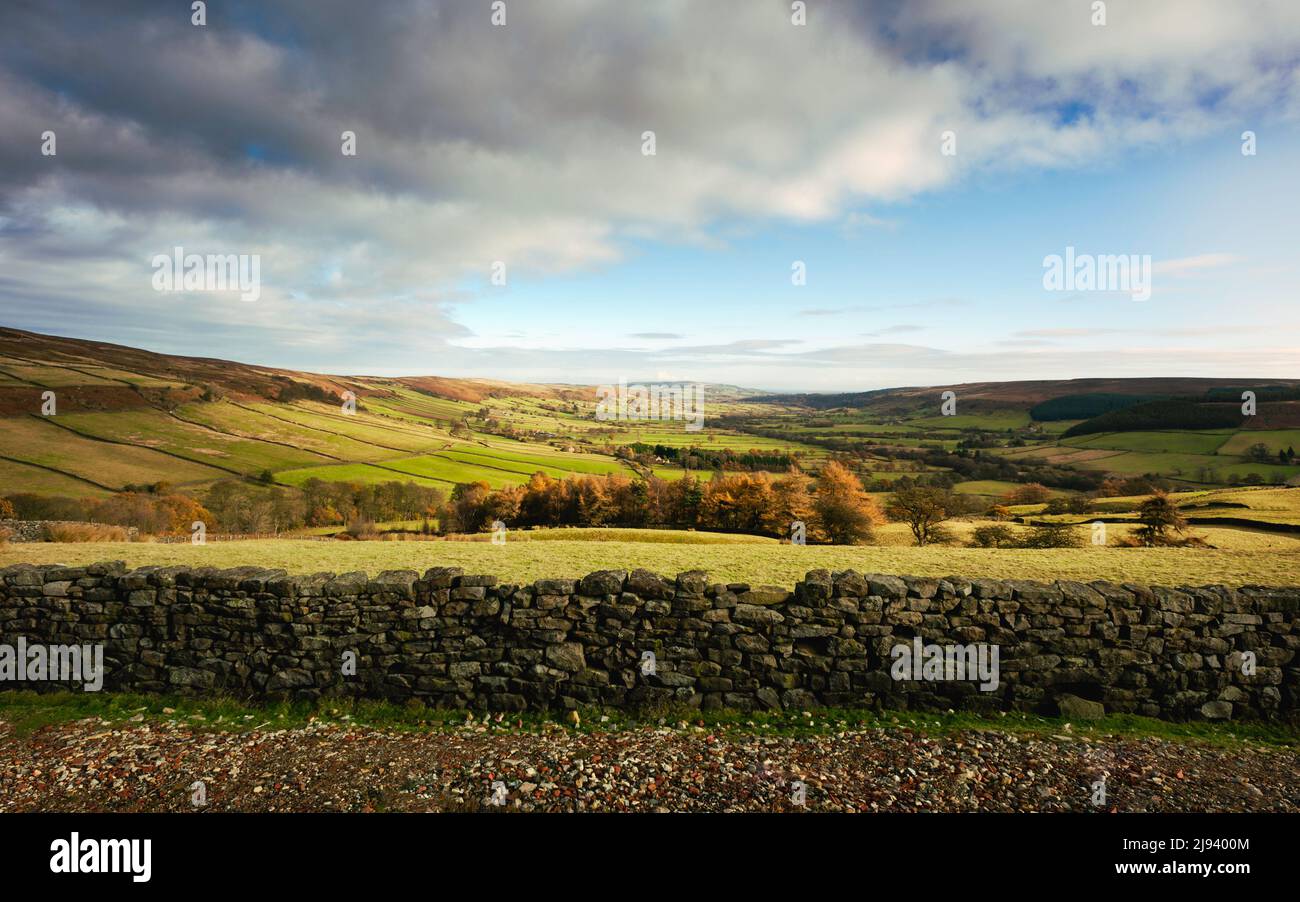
674 473
1183 442
1269 560
1275 439
245 421
1188 467
451 470
39 441
366 474
995 488
405 403
16 477
125 376
151 428
1265 505
378 432
531 458
616 534
50 376
1000 421
56 375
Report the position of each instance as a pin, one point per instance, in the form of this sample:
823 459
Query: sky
860 201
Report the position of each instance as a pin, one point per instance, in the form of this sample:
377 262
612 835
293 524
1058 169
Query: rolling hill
127 416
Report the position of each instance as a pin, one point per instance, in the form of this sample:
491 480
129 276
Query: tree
1259 453
467 511
1159 516
923 510
1067 504
993 535
6 509
1029 493
845 514
791 502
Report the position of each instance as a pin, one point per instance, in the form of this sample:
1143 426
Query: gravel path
91 765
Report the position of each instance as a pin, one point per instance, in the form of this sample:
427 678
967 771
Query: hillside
1022 395
126 416
130 417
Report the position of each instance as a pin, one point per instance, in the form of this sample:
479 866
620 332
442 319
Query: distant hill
112 372
1044 400
130 417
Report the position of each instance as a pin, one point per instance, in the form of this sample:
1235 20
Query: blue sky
959 268
776 143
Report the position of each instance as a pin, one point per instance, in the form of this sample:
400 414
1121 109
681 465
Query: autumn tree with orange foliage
1029 493
152 514
844 513
834 507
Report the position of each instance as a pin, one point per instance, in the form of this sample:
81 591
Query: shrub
1048 536
1029 493
362 528
28 506
1160 516
993 535
85 532
1073 504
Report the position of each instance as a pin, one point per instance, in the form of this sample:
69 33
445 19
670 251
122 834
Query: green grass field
1275 439
39 441
150 428
366 474
17 477
753 562
994 488
1181 442
238 420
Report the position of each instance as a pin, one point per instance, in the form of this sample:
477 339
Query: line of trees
161 512
833 507
239 506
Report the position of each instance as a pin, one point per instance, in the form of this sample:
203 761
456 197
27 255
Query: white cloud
523 144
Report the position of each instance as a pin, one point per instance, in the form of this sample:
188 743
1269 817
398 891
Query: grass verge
26 712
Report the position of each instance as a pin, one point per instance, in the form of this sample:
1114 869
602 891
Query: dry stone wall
38 530
639 639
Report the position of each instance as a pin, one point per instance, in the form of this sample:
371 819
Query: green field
1275 439
992 422
366 474
239 420
50 376
1184 442
39 441
155 429
994 488
1274 561
16 477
